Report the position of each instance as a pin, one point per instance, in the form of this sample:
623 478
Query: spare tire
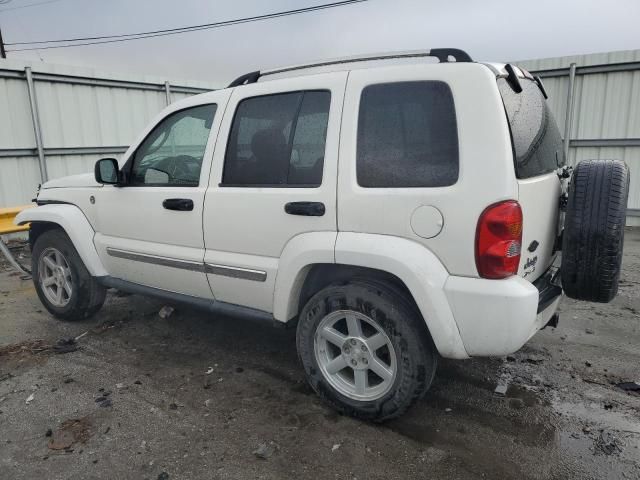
594 230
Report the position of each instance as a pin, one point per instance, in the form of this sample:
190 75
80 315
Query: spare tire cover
594 230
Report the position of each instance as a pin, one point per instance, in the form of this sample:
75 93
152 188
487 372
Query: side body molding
419 269
77 227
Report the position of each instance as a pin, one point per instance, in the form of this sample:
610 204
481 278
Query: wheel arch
405 264
72 221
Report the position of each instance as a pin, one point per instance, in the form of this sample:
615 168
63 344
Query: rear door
273 178
538 152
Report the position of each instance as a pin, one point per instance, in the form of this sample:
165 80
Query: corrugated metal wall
606 110
84 115
98 114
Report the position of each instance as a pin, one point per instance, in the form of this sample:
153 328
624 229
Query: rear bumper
497 317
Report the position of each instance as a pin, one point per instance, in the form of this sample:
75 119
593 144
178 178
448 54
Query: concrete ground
194 397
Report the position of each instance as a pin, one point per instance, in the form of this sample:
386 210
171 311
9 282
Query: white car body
238 247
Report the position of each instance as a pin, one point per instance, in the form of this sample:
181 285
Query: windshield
537 144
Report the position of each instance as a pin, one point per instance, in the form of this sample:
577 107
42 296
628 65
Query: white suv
394 209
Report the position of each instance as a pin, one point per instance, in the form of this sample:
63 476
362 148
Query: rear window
537 144
407 135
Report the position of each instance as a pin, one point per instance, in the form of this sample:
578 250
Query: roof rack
442 54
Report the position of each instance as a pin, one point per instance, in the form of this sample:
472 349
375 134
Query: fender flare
422 273
296 259
71 219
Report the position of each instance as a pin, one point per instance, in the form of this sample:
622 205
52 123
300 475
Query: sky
489 30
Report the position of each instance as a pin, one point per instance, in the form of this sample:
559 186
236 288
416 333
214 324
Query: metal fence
57 121
596 101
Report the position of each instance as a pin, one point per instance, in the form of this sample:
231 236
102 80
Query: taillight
499 240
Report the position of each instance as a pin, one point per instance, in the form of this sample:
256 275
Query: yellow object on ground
7 215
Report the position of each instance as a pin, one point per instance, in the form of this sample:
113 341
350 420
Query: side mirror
106 171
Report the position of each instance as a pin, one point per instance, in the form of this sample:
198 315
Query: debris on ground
65 345
103 400
335 447
81 335
534 360
629 386
70 432
29 347
588 363
501 389
608 443
209 371
165 312
265 450
34 347
588 331
29 399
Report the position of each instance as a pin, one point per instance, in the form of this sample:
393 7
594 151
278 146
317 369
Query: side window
407 136
278 140
172 153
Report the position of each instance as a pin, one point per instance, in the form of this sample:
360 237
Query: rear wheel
364 350
64 286
594 230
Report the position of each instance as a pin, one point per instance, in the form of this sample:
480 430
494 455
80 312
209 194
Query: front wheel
364 349
64 286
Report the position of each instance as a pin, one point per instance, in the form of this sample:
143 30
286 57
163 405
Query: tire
594 230
87 295
411 355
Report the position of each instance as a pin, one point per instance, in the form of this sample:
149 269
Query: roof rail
442 54
251 77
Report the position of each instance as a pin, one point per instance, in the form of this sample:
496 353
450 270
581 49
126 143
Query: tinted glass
407 135
278 140
172 153
537 144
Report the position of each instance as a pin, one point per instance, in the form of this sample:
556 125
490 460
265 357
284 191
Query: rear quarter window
537 144
407 135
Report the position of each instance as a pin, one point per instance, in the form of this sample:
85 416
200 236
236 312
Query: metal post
35 116
167 92
568 118
3 53
4 249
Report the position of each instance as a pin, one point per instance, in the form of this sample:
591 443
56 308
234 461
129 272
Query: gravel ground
193 396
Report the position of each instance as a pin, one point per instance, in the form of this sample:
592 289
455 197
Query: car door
273 178
149 231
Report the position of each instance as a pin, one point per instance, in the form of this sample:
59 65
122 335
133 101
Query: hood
82 180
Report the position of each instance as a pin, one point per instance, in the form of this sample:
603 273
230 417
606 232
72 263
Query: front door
150 231
273 179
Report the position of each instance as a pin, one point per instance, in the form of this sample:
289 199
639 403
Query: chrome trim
224 270
235 272
156 260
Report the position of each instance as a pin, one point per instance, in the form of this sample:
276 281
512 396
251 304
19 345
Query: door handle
309 209
180 204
